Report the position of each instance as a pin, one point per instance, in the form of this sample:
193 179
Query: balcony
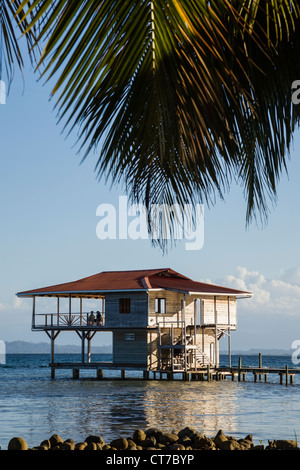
68 321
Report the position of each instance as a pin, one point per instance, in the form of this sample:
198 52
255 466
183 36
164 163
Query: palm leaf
10 51
176 97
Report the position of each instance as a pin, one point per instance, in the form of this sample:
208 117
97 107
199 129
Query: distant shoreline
26 347
255 352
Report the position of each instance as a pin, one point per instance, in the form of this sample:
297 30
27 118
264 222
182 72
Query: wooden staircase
202 359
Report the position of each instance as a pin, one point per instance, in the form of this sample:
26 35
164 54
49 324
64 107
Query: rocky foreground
156 440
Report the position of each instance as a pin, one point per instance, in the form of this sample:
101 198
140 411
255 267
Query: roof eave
234 294
104 291
43 293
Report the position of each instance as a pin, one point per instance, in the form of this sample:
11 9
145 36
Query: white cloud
16 303
270 296
292 275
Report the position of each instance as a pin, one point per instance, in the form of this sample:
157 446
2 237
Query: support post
159 350
89 347
239 369
172 349
229 336
70 308
52 346
145 374
82 346
195 333
216 336
184 329
57 322
33 311
52 337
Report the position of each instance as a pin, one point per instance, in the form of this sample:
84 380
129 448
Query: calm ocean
34 406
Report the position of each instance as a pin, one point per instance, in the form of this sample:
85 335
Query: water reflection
205 406
118 408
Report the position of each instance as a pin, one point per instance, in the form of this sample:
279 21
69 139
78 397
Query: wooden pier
286 375
239 373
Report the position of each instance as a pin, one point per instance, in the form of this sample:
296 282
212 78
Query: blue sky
48 230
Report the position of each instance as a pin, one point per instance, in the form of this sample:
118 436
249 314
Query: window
160 305
124 306
129 336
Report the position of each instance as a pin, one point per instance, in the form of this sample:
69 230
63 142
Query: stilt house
160 320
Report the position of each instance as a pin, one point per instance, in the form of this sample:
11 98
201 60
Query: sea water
34 406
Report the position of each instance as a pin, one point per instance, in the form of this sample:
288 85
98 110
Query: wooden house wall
144 348
138 316
130 351
152 351
173 306
226 311
206 343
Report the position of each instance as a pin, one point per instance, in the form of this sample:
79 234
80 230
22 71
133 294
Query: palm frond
177 98
10 30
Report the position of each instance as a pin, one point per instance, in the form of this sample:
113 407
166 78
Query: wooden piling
208 373
145 374
239 369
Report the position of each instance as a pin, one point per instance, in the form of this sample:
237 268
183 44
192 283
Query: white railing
170 323
202 358
44 320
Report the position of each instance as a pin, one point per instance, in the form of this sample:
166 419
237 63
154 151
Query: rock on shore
155 439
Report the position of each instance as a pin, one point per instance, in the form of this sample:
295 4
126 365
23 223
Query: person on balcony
99 319
91 318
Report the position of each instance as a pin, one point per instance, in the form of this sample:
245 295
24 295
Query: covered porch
70 312
82 313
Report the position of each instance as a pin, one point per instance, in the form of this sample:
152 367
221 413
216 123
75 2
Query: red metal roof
133 280
187 285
